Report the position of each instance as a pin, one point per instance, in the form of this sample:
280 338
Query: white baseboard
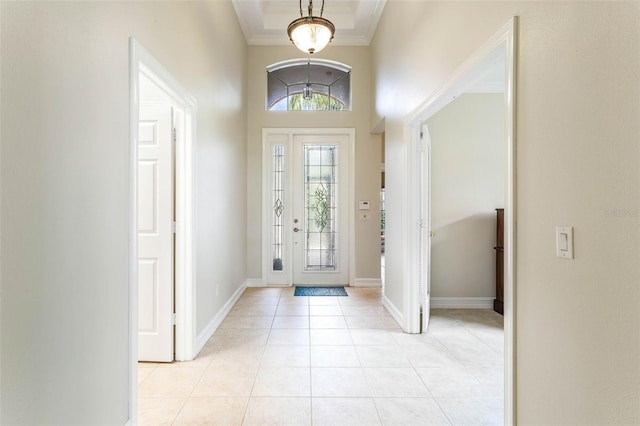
358 282
367 282
462 302
215 322
391 308
254 282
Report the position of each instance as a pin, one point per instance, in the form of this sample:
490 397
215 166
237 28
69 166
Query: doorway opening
162 205
501 49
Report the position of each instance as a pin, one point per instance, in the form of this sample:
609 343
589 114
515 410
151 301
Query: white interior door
155 233
320 221
425 226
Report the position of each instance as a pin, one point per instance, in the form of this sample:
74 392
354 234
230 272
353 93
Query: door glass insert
277 199
321 198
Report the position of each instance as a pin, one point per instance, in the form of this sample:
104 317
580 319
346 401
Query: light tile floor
286 360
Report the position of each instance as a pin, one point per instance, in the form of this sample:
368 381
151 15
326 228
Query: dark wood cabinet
498 303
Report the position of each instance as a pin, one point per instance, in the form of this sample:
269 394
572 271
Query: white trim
185 286
462 302
254 282
393 311
367 282
304 61
424 156
244 25
412 230
510 284
375 20
463 78
205 335
352 206
134 75
141 61
289 133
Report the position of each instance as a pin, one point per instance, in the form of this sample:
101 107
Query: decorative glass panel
277 200
321 198
326 83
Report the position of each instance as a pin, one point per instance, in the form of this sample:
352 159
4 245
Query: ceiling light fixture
311 33
307 93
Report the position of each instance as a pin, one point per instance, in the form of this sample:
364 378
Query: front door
320 219
307 184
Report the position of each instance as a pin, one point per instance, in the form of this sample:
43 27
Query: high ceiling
264 22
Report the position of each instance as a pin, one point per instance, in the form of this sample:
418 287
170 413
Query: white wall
578 164
467 185
65 191
367 173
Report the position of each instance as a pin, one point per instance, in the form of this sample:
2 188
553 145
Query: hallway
280 359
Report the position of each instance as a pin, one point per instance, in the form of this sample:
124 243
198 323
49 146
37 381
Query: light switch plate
364 205
564 242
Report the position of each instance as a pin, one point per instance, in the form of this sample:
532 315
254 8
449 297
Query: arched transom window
309 85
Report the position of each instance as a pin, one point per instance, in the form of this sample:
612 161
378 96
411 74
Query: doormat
320 291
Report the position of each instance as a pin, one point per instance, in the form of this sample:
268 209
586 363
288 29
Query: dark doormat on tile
320 291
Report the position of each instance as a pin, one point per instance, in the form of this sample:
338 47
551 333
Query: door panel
155 233
147 197
320 210
148 295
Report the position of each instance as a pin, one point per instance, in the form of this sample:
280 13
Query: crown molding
355 20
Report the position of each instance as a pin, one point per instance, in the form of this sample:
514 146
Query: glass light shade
311 34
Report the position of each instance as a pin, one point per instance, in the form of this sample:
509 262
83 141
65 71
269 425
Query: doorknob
295 229
432 234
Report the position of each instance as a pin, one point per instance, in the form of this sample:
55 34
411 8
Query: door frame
141 61
423 165
287 137
455 86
